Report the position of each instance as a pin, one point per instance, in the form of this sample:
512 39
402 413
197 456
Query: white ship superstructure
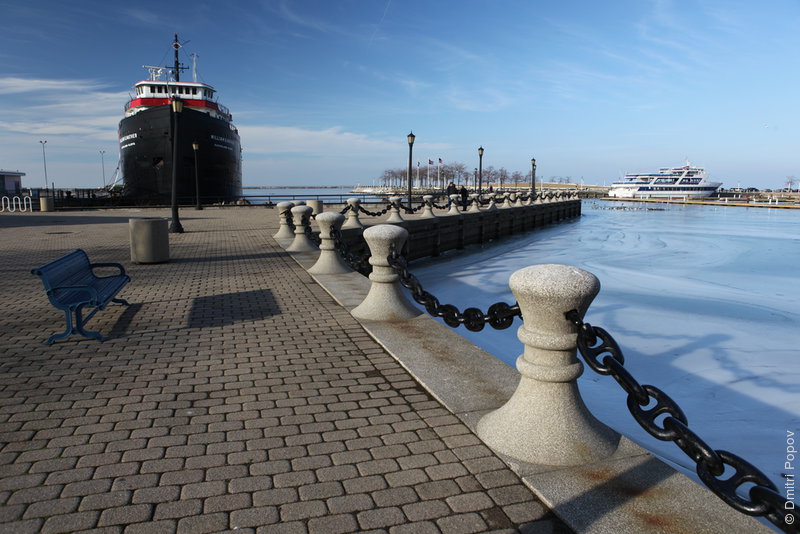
684 182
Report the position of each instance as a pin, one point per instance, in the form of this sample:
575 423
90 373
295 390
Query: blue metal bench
72 286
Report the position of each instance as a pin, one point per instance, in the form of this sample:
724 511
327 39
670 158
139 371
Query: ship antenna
194 67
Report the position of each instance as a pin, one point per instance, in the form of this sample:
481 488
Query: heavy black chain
499 316
375 213
410 210
314 238
763 498
445 207
346 209
289 218
357 263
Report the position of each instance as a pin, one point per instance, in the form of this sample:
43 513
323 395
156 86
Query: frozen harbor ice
703 301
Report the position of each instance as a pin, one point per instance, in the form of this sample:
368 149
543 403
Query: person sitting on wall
463 193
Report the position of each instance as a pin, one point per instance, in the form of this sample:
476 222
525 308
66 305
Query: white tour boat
686 182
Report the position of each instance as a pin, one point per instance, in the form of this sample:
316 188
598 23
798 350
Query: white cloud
331 142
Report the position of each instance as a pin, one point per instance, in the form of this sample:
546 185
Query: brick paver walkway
234 394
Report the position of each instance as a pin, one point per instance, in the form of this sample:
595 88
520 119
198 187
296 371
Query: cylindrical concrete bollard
394 211
149 238
301 243
352 220
427 210
475 203
545 421
284 230
329 261
317 206
507 202
46 204
454 205
385 300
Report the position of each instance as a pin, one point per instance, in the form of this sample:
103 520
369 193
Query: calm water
704 301
337 195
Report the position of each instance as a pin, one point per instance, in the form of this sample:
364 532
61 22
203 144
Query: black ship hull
146 157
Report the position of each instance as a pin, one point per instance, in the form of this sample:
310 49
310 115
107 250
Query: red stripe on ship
136 102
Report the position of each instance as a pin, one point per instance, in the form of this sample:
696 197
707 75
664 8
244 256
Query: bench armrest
113 265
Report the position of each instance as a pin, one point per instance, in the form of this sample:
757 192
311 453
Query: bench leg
80 322
65 334
121 301
75 328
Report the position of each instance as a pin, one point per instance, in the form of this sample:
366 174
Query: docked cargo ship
686 182
162 106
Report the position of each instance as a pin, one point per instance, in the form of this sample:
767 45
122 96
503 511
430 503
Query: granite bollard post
329 261
301 243
476 203
394 211
454 205
284 231
492 202
427 210
352 214
385 300
506 201
545 421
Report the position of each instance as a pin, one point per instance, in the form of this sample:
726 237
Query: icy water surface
704 302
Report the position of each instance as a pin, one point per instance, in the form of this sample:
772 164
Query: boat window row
677 188
179 89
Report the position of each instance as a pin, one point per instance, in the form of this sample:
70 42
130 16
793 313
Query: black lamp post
198 206
411 138
175 226
44 160
533 176
480 170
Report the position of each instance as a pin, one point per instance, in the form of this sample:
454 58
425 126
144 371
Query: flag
440 161
430 162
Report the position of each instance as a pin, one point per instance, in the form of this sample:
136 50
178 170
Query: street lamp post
198 206
480 170
44 160
533 176
103 164
411 138
175 225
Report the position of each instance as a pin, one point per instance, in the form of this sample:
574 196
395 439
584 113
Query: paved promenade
233 395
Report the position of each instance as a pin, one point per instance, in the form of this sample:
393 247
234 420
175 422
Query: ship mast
177 46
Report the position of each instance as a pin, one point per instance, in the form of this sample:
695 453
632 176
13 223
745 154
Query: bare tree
790 182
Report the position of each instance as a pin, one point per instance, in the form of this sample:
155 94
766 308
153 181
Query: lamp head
411 138
177 105
480 151
195 146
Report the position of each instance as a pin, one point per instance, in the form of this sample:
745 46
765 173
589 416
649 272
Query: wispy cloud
330 142
60 107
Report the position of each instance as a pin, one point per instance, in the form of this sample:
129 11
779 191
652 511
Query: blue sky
324 92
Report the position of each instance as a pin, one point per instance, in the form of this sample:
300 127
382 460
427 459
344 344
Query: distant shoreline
299 187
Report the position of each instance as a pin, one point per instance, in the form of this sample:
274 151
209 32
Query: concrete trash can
316 206
149 240
46 204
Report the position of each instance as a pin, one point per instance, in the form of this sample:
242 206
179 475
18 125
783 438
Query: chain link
410 210
499 315
357 263
375 213
762 499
